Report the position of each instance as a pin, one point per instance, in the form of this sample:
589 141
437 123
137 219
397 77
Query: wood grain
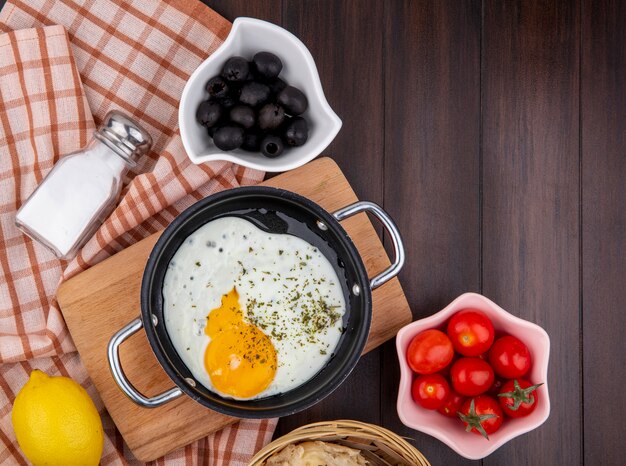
267 10
348 54
533 216
432 117
603 101
530 220
99 301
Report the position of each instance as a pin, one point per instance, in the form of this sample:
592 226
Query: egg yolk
240 359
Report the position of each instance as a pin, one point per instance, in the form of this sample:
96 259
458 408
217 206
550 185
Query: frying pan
275 211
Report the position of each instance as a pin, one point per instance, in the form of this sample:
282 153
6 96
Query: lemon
56 423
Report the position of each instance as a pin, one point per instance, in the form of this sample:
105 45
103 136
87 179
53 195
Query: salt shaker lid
124 136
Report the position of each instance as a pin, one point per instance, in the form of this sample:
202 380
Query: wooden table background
494 133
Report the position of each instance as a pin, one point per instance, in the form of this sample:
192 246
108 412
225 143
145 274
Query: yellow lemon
56 423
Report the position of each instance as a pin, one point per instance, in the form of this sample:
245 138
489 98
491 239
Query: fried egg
251 313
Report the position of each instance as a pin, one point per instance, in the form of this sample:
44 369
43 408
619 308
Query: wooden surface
100 301
494 131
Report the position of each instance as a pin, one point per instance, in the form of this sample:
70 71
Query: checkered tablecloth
63 65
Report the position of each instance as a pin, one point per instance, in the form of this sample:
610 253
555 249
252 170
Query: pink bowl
449 430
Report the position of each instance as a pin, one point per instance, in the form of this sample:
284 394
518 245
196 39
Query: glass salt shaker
83 187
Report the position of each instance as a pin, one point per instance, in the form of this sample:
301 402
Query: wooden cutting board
101 300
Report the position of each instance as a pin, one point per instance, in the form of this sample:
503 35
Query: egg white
279 278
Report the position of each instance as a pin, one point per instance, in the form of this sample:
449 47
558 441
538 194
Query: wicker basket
379 446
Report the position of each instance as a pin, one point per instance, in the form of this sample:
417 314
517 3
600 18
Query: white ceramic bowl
247 37
449 430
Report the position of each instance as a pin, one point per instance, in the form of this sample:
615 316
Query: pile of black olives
251 108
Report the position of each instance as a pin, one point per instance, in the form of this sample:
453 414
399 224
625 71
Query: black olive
267 65
252 108
228 137
252 140
271 116
235 69
254 94
209 113
276 85
293 100
217 87
227 102
296 131
242 115
234 89
272 146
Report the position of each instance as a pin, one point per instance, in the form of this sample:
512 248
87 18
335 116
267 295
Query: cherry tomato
481 415
452 404
494 390
430 391
446 370
509 357
471 332
429 352
518 398
471 376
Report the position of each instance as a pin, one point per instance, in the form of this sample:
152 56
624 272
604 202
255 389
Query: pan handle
125 385
392 230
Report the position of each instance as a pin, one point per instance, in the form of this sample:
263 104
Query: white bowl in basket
247 37
449 430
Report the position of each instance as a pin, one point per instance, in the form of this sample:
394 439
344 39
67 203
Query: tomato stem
520 395
474 421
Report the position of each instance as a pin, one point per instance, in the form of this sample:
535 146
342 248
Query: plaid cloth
56 83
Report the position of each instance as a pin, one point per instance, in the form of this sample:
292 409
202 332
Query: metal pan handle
392 230
113 353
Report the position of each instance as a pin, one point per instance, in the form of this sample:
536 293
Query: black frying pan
276 211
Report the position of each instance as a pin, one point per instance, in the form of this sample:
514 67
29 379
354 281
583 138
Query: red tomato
430 391
509 357
471 376
429 352
495 387
481 415
518 398
446 370
471 332
452 404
